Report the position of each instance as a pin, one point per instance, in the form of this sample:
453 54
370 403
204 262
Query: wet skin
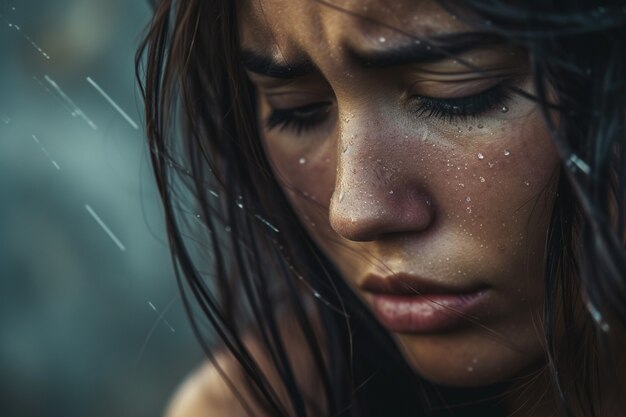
387 182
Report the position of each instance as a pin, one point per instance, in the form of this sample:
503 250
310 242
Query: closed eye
451 109
299 119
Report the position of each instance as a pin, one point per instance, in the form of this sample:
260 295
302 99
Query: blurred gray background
90 319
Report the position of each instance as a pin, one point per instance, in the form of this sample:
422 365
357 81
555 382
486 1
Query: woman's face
416 167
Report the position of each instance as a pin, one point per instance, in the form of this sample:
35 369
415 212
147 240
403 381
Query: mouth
404 303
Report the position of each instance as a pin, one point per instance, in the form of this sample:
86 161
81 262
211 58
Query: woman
412 208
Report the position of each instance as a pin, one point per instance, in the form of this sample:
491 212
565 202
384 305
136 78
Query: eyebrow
436 48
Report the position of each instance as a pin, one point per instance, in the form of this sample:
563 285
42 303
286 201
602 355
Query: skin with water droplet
354 205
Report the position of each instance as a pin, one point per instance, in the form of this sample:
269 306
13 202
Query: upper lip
407 284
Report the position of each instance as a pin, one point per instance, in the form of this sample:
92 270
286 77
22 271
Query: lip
407 304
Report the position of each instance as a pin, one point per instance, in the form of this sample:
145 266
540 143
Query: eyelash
304 118
293 118
461 108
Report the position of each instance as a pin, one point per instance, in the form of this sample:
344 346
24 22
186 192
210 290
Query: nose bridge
375 190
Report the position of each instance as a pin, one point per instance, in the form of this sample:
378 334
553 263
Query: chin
460 360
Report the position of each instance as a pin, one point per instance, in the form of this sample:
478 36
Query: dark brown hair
243 259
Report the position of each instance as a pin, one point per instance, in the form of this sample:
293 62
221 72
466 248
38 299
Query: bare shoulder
207 393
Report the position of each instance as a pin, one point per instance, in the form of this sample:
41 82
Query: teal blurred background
91 324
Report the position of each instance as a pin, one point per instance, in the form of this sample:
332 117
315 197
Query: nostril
361 216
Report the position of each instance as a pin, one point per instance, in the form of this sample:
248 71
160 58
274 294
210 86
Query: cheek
501 192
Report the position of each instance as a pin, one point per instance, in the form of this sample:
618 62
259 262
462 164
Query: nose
379 188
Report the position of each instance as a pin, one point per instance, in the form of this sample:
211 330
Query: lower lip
426 313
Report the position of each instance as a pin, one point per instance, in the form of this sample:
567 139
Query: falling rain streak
46 153
105 228
5 119
45 87
113 103
161 316
74 109
28 38
265 222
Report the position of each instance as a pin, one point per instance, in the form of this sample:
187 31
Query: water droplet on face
506 152
391 192
317 295
482 179
481 156
302 161
468 199
505 109
382 39
480 126
228 229
526 183
469 210
470 369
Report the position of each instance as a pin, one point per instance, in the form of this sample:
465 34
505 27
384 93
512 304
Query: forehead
293 28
